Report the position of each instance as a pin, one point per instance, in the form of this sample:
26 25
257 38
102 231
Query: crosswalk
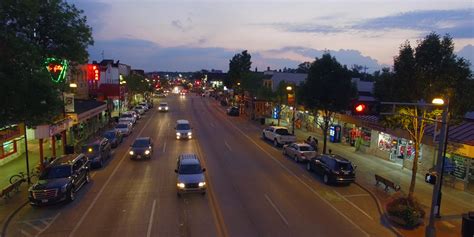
35 227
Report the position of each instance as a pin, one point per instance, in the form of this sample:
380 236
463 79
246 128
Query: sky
180 35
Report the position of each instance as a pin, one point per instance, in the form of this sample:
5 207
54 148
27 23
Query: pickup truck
279 135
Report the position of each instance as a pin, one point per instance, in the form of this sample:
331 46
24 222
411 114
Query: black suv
97 152
142 147
333 168
114 137
60 180
233 111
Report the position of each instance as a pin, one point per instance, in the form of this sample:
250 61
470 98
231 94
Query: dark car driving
114 137
97 152
233 111
60 180
333 168
142 147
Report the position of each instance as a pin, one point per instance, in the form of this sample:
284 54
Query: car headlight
147 152
177 134
131 153
190 133
166 108
202 184
181 185
64 188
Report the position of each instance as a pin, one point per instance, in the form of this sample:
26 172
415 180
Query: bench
5 192
388 183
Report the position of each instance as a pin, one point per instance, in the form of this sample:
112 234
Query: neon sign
57 68
93 72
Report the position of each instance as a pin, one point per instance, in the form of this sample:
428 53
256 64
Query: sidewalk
454 202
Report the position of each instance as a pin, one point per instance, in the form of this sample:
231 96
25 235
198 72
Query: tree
327 90
421 74
137 84
30 32
238 65
303 67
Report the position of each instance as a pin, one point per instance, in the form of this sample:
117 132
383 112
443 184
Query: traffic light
365 108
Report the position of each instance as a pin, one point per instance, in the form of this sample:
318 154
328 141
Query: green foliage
407 209
252 82
137 84
31 31
238 65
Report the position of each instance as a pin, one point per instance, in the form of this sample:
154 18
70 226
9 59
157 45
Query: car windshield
163 104
306 148
141 143
190 169
182 126
343 166
56 172
109 135
282 131
90 149
126 116
121 125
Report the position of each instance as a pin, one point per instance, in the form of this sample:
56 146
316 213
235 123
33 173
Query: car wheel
308 167
263 136
88 177
101 163
72 195
179 194
203 193
275 143
326 179
284 152
296 158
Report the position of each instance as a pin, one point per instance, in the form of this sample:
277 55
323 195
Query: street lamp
290 88
436 198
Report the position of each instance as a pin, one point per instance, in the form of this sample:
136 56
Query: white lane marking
33 226
276 209
104 186
228 146
25 233
164 147
44 222
354 205
300 180
150 223
357 195
47 226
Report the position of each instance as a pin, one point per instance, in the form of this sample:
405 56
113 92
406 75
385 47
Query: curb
9 218
380 209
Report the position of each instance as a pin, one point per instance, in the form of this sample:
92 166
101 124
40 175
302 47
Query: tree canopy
30 32
238 65
327 90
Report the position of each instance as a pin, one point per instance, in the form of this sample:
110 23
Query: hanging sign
57 69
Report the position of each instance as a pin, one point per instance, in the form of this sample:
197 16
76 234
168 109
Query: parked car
183 129
124 128
190 175
163 107
125 120
114 137
97 152
60 180
279 135
299 151
129 115
142 147
140 109
233 111
333 168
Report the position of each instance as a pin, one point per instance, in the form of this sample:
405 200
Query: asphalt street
253 190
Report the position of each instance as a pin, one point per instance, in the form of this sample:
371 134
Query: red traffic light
360 108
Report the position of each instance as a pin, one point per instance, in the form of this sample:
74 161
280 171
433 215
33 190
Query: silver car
299 151
124 128
190 175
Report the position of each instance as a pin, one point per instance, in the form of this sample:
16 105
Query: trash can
262 121
468 224
69 149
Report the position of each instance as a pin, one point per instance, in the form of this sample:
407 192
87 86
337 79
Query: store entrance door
470 176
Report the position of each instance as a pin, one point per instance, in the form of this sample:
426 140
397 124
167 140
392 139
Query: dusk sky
182 35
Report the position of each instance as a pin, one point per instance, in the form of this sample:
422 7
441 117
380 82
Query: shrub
406 209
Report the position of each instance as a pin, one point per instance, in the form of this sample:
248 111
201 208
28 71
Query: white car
278 135
124 128
163 107
183 129
128 116
299 151
140 109
145 106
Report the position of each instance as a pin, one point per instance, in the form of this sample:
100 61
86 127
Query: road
253 189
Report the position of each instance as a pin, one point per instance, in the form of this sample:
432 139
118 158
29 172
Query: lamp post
436 198
290 88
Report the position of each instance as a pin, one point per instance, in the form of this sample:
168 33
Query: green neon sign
57 68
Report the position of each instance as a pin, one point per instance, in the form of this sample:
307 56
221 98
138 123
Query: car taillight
302 154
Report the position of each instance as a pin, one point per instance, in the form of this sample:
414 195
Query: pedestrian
330 151
315 143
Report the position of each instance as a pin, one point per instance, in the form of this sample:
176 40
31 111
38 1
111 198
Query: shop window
8 148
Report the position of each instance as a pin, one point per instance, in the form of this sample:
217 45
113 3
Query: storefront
398 149
89 117
11 143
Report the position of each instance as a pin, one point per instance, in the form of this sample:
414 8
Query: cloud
305 28
183 26
94 12
457 23
467 52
